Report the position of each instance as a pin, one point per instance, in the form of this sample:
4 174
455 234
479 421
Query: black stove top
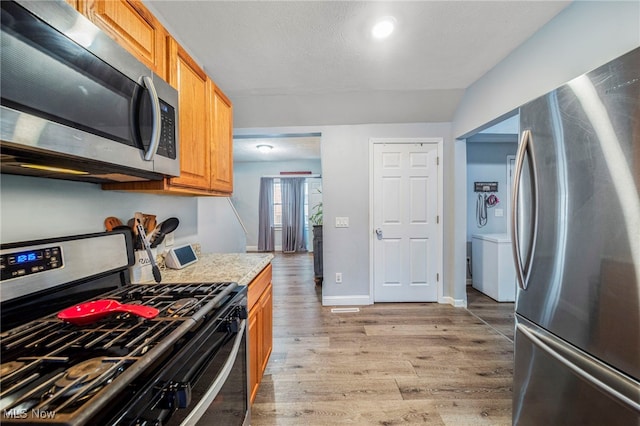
54 372
54 367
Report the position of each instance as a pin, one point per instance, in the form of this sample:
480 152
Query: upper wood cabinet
194 107
221 125
205 121
132 26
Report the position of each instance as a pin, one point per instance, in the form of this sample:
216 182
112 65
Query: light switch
342 222
499 212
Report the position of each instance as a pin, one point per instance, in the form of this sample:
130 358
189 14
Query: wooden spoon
111 222
149 223
131 223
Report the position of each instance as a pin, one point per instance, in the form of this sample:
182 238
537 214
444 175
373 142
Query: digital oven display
14 265
28 257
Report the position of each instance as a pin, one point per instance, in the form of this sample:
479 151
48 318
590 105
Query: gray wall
487 161
246 180
346 192
33 208
219 229
582 37
577 40
345 171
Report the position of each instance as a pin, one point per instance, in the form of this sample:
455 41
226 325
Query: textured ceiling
305 63
303 147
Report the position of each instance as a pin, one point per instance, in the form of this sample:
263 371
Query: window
277 203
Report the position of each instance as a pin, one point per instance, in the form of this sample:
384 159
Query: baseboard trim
254 249
469 281
456 303
345 300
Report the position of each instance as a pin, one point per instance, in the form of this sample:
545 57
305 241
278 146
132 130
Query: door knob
379 233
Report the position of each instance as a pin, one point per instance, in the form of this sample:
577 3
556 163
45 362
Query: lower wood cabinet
260 305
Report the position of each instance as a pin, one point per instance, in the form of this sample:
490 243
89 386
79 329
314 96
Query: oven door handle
211 394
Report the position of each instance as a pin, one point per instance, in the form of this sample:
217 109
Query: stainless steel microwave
76 105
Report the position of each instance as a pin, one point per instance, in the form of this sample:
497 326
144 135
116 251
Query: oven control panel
21 263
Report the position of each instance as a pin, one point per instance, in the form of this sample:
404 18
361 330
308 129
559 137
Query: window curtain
294 234
265 215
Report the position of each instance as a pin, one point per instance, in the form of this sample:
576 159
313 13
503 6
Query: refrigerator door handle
587 368
523 270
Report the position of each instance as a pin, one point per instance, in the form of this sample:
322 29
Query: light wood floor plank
388 364
350 412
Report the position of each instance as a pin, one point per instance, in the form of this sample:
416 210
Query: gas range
121 369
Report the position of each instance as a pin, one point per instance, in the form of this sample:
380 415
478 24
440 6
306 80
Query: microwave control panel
167 146
23 263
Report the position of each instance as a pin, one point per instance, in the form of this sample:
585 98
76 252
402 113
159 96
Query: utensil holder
141 271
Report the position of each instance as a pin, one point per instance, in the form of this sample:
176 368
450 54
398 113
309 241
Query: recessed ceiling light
384 27
264 148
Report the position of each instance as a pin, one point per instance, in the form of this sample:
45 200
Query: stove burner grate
51 365
84 372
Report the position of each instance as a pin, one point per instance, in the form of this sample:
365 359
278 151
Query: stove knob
176 395
183 395
242 312
232 325
168 399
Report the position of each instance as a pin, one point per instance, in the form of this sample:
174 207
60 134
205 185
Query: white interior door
405 219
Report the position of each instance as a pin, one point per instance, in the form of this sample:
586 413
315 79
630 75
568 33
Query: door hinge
438 219
437 161
438 277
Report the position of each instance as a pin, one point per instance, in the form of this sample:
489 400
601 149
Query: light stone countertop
220 267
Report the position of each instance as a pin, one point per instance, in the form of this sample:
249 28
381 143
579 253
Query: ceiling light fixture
383 28
264 148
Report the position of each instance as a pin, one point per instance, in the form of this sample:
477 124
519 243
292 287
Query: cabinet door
193 104
266 325
132 26
254 353
221 126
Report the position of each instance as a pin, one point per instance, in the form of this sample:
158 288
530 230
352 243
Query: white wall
246 180
582 37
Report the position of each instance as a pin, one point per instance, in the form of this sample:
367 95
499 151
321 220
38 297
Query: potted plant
316 220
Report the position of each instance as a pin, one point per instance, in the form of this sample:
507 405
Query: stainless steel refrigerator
576 241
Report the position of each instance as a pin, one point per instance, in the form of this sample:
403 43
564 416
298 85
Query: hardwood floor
388 364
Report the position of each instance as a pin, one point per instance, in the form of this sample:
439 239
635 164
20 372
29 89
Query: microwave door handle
155 116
